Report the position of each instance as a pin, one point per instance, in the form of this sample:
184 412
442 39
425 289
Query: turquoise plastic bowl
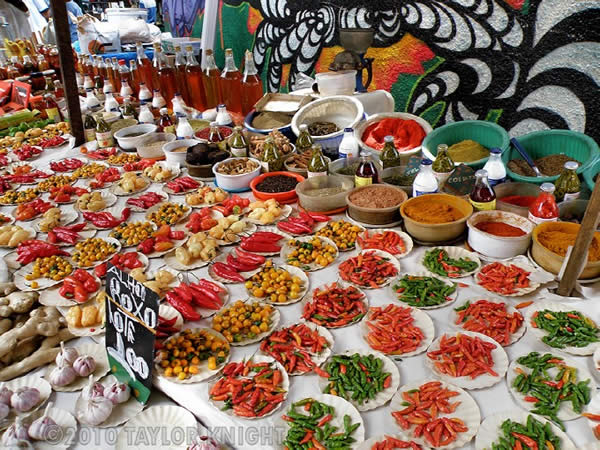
488 134
590 173
549 142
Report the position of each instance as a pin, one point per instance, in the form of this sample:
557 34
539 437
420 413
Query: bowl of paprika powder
499 234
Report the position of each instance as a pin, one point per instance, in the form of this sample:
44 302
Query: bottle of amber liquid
110 73
252 87
155 67
102 72
115 66
166 76
212 81
180 64
144 66
231 84
135 77
193 78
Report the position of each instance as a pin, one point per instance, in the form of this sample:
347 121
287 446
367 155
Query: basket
590 173
285 130
488 134
549 142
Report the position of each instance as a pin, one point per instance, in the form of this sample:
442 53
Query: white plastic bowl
130 143
498 246
235 183
336 83
173 157
147 150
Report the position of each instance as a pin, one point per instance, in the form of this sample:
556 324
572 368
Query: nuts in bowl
235 174
238 166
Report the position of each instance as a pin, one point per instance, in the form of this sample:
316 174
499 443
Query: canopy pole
67 68
578 258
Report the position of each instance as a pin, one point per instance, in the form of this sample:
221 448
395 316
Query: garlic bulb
205 443
4 411
16 433
95 411
41 429
67 356
5 395
25 398
117 393
62 376
84 366
92 390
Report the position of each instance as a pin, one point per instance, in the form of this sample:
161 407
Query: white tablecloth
264 434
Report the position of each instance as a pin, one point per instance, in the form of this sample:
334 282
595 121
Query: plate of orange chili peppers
394 242
398 330
335 305
507 279
435 413
370 269
389 442
468 360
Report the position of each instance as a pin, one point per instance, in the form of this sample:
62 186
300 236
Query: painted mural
526 64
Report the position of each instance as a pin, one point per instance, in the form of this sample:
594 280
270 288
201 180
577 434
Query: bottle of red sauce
544 208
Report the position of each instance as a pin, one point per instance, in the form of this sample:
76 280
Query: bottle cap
121 62
496 151
221 106
547 187
481 173
348 130
426 162
303 127
388 139
164 110
442 147
571 165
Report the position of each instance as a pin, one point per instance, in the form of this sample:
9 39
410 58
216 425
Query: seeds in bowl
237 166
277 183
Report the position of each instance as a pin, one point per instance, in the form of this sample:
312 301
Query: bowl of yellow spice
469 141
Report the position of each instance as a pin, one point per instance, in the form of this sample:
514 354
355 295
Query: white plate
151 275
424 273
94 330
539 333
109 200
59 439
489 431
31 381
86 233
313 266
116 189
176 244
223 258
171 261
63 177
520 291
454 253
382 397
13 214
166 311
206 313
159 205
141 258
90 164
390 258
175 171
115 211
170 191
565 412
514 337
165 198
343 285
31 231
408 242
98 352
286 210
51 297
67 216
172 419
370 443
271 229
484 380
285 385
467 411
83 161
18 203
109 240
139 222
294 272
319 226
275 318
121 412
204 373
420 319
43 283
204 205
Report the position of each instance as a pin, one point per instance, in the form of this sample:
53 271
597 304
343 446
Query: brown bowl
376 216
551 261
200 171
437 232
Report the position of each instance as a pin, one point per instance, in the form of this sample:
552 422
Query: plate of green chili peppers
451 262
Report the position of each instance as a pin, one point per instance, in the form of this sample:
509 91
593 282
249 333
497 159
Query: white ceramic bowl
497 246
130 143
147 150
174 157
235 182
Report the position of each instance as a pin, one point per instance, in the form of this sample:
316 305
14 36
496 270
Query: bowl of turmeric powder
551 241
499 234
435 217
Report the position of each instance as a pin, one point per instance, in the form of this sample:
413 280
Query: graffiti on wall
526 64
181 15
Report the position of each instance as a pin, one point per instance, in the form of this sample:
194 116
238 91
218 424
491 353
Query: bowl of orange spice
435 217
499 234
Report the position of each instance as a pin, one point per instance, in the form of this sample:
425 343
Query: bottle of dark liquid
366 172
165 123
483 197
89 126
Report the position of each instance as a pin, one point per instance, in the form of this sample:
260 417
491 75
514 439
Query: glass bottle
495 167
184 130
165 122
238 144
110 73
155 66
166 75
102 72
305 141
231 84
144 65
124 73
146 115
179 106
88 82
567 184
128 109
389 155
99 88
144 93
214 134
59 92
94 64
180 65
15 62
366 172
116 70
425 181
158 101
91 101
12 71
223 117
110 103
49 87
89 126
212 81
135 77
126 90
42 63
194 80
317 166
482 197
104 135
271 158
349 145
27 65
443 165
51 108
544 208
252 87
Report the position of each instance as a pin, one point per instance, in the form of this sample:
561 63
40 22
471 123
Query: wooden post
67 68
578 257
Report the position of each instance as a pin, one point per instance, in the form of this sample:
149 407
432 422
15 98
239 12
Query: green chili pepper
423 291
566 329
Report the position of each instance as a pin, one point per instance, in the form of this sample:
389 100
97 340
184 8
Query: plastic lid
347 130
304 127
571 165
426 162
481 173
221 106
164 110
388 139
547 187
496 151
121 62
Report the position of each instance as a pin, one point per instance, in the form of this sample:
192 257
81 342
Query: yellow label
484 206
362 181
53 114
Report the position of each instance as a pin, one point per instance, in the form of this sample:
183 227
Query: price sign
413 165
131 321
461 181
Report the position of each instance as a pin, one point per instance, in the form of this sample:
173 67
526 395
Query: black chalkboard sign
461 181
131 320
413 165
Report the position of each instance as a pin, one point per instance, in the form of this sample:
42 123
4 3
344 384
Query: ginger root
17 302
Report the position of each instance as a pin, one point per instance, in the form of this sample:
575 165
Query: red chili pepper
224 271
526 440
187 311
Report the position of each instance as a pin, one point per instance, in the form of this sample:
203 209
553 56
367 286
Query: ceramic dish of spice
376 204
499 234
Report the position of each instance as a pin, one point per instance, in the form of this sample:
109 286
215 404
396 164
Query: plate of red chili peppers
510 279
394 242
335 305
370 269
69 235
76 289
389 442
268 241
250 389
398 330
66 165
436 413
235 266
468 360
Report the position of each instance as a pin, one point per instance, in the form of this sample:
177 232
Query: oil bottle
144 66
166 76
193 76
180 66
212 81
252 87
231 84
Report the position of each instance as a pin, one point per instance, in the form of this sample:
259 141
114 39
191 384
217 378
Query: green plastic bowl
487 134
590 173
549 142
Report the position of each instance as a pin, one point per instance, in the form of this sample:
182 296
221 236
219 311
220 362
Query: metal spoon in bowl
526 156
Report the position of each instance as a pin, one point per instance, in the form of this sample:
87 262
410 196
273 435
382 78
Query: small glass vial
443 165
495 167
425 181
349 145
304 141
366 172
567 184
482 197
238 143
544 208
317 166
389 155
